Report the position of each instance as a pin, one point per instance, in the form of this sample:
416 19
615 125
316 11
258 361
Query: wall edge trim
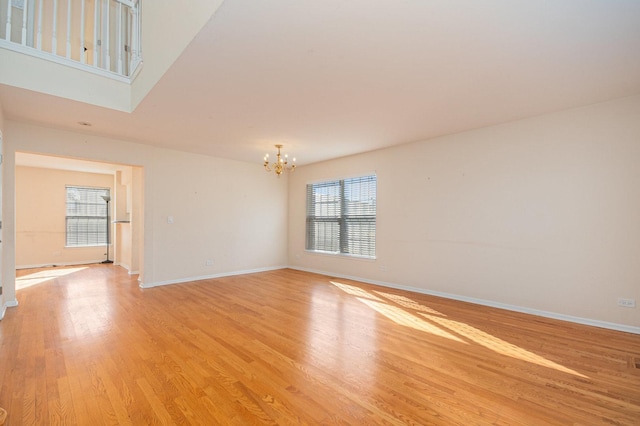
209 277
7 304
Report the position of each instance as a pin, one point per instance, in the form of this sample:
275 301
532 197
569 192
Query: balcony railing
101 35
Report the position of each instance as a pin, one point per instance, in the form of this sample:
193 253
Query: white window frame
341 217
86 219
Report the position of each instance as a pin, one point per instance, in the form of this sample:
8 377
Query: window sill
344 255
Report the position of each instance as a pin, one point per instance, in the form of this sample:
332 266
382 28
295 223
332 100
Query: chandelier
280 165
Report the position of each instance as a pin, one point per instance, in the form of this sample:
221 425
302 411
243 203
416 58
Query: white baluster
82 49
8 33
24 23
54 39
39 37
135 38
68 28
119 46
128 55
106 36
96 25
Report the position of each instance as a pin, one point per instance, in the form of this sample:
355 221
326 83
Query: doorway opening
42 212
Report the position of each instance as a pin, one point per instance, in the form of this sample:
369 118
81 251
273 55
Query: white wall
2 296
1 116
230 212
541 214
227 211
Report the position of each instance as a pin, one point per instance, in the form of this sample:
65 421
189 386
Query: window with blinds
87 216
341 216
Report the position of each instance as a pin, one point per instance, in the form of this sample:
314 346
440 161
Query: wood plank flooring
87 346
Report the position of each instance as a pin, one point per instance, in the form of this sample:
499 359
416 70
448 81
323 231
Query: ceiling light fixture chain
281 164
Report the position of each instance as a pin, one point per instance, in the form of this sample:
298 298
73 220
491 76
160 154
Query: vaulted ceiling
337 77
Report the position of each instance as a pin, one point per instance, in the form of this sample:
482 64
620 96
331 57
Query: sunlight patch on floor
355 291
404 318
428 320
496 344
409 303
36 278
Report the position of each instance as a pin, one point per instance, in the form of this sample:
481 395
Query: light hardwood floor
87 346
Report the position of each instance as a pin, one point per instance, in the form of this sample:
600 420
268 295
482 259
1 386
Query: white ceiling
337 77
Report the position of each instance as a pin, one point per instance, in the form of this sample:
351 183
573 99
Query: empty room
304 212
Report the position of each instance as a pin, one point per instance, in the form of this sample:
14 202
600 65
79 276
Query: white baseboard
490 303
128 268
208 277
7 304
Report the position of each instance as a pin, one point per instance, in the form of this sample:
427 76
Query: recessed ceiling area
333 78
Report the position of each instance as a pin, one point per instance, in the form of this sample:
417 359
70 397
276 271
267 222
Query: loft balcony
98 36
91 52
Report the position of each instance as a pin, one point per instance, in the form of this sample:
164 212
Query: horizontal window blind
86 217
341 216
